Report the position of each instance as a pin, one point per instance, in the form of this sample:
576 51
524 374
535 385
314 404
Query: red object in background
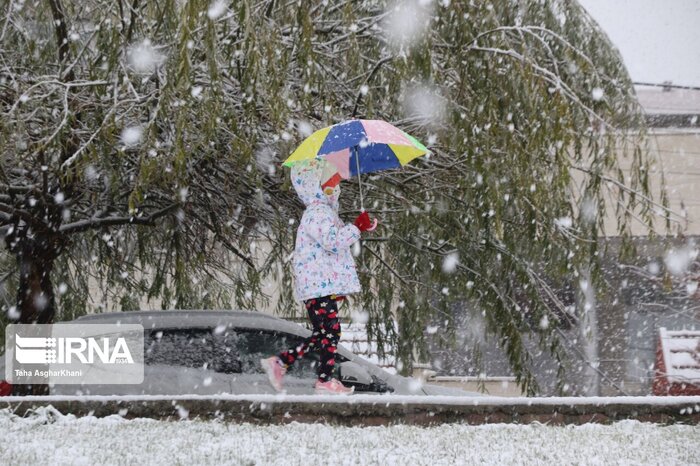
5 388
677 364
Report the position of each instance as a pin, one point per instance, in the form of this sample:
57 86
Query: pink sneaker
332 387
275 371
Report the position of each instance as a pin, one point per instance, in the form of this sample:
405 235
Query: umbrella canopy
359 146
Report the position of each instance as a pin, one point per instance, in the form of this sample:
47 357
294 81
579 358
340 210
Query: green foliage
536 108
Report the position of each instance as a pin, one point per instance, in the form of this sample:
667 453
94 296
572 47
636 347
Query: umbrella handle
374 225
359 177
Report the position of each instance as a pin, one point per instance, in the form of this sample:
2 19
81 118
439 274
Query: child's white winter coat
323 263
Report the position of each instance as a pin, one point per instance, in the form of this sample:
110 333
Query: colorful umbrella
359 146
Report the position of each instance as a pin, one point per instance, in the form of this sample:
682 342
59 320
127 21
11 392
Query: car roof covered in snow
159 320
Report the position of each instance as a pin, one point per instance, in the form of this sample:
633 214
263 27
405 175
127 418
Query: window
193 348
232 351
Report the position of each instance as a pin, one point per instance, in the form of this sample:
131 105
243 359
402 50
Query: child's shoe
275 371
332 387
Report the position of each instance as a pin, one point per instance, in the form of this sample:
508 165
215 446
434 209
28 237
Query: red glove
363 223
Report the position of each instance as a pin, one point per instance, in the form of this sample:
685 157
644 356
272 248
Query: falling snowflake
654 268
143 58
415 385
564 222
216 9
41 301
265 160
182 412
196 91
597 93
132 136
407 22
424 103
450 262
91 173
304 128
13 313
678 260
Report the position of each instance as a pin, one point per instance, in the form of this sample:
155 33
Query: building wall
677 152
638 304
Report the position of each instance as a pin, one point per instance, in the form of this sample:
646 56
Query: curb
369 411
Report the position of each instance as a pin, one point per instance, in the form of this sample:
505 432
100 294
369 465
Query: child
324 271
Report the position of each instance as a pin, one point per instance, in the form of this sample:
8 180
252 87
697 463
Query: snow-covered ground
48 437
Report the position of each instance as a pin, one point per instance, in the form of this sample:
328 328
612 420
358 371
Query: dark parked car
219 352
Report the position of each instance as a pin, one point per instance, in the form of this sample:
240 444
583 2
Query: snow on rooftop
657 100
681 354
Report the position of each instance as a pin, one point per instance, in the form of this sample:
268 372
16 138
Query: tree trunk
35 297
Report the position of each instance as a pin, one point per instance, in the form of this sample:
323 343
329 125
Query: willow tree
141 145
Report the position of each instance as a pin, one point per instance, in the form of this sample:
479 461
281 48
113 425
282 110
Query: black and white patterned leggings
323 313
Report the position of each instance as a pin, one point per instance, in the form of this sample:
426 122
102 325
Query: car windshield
227 350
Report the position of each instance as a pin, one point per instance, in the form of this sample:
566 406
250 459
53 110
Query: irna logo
69 350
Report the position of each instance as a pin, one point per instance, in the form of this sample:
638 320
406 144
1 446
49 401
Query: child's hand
363 223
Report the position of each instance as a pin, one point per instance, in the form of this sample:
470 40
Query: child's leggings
323 313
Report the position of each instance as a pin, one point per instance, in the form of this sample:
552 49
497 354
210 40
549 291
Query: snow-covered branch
96 223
